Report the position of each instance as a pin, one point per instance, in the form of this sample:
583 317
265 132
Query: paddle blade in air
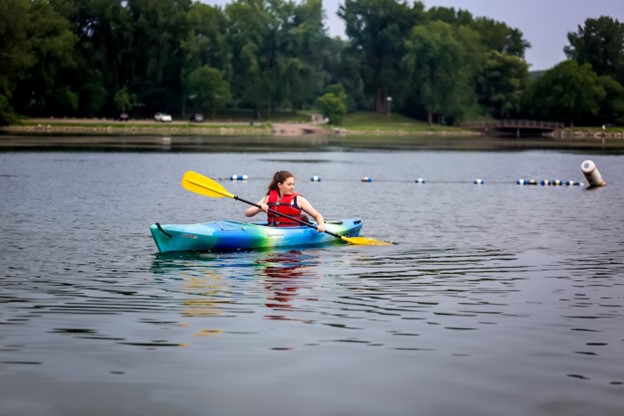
200 184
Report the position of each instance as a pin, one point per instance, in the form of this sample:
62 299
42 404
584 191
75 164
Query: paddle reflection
202 291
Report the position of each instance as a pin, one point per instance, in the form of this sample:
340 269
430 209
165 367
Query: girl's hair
279 177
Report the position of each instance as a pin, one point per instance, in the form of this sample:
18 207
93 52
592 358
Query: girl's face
287 187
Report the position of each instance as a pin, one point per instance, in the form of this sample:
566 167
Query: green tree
568 91
333 107
16 55
501 83
500 37
494 35
7 116
210 90
301 55
46 87
434 63
246 31
104 53
600 43
160 28
343 68
376 30
124 100
16 52
612 106
451 16
204 44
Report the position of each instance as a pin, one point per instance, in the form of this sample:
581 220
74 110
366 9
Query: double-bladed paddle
203 185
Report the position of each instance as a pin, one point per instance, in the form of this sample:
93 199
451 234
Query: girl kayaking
281 197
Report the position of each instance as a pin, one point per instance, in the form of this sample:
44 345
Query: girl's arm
251 211
308 208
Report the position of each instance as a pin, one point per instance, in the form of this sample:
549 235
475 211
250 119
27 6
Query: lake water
496 299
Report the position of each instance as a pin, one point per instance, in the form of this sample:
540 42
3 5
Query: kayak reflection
286 274
204 288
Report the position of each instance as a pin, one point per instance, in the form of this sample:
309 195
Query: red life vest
287 205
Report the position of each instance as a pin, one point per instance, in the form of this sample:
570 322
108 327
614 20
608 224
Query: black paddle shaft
285 216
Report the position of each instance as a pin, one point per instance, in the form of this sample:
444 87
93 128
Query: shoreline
91 130
213 128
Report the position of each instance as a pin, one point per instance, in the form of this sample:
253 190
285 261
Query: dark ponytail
279 177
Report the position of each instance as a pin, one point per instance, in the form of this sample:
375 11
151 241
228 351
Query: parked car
163 117
197 118
123 117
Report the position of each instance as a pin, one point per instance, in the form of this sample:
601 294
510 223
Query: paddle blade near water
200 184
365 241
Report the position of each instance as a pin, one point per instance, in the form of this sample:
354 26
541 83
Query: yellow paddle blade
364 241
200 184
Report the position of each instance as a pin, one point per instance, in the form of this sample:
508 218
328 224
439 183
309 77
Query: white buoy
239 177
315 178
479 181
367 179
591 173
420 180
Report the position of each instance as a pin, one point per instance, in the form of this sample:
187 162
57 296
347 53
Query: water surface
496 298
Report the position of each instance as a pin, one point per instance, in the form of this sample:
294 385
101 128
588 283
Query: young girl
281 197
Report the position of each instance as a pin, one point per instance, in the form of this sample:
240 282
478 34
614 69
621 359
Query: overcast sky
544 23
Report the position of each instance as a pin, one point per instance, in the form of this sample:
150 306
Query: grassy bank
235 123
240 123
372 122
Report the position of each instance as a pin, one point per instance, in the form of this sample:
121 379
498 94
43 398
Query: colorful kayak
234 235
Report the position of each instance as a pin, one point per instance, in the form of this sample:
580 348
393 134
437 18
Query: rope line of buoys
478 181
548 182
588 167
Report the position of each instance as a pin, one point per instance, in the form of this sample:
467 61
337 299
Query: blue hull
234 235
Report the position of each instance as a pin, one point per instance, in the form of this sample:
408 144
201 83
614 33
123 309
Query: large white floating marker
239 177
591 173
315 178
367 179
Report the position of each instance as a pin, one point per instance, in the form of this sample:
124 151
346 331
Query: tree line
97 58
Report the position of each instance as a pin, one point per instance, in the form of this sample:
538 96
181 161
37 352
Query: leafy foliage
209 89
568 90
332 107
501 83
94 57
600 43
333 104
